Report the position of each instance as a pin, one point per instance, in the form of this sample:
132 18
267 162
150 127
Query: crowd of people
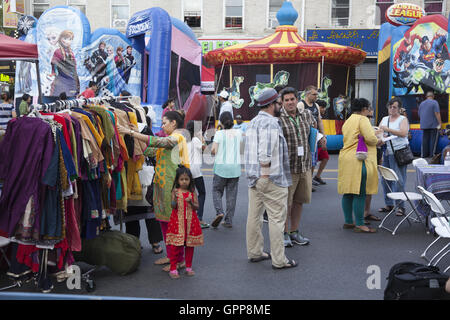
279 158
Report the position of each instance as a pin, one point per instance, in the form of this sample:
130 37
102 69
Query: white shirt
195 157
226 107
398 142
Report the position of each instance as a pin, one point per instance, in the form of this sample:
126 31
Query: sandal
174 274
217 220
290 264
180 265
204 225
386 209
372 217
400 212
359 230
348 226
265 256
190 272
157 248
162 261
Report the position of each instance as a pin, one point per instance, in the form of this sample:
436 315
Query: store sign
213 44
404 14
364 39
11 8
4 78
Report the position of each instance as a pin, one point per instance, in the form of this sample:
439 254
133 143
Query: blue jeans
389 162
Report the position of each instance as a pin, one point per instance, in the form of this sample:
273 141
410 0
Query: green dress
170 152
23 108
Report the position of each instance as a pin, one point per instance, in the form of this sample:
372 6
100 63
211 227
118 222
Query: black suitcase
414 281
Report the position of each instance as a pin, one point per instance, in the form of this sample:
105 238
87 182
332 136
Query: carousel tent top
285 46
14 49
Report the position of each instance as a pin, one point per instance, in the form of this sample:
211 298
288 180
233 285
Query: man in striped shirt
268 174
6 111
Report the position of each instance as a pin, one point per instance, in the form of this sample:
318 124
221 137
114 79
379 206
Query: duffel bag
414 281
120 252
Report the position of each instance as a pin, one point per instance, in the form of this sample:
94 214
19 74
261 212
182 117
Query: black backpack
414 281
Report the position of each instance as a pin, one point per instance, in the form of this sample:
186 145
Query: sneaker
287 240
315 183
319 180
297 238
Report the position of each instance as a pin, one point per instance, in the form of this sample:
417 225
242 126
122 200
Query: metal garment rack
78 103
56 106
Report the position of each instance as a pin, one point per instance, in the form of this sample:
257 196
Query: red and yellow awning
285 46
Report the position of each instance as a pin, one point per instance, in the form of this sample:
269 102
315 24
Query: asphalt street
337 265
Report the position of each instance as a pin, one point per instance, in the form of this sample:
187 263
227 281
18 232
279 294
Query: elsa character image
114 81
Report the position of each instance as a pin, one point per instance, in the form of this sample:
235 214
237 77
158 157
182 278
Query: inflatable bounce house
413 58
159 57
285 59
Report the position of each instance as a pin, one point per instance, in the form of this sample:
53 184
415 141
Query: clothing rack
74 103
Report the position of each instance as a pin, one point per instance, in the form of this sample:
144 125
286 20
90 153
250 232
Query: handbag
403 156
146 175
361 149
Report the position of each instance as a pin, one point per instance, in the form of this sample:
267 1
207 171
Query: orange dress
184 226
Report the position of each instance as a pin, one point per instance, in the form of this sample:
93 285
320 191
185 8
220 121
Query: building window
192 12
340 13
39 6
380 13
274 7
80 4
234 10
120 14
433 6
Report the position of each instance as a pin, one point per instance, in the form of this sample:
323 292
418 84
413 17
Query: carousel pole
213 109
321 75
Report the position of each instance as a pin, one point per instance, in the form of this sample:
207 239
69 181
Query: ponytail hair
226 119
175 116
359 105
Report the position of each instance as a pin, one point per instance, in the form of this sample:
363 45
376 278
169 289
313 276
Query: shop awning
13 49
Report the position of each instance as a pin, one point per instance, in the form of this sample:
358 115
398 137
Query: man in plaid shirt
296 125
267 170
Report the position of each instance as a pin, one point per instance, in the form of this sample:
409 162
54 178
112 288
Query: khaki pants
267 195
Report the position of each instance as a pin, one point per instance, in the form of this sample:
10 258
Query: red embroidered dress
184 227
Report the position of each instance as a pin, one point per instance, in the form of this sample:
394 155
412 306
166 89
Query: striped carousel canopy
285 46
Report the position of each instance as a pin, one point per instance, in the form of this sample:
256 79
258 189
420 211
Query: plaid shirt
265 143
298 164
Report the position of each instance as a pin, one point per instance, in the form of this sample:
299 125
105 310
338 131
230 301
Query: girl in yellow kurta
357 178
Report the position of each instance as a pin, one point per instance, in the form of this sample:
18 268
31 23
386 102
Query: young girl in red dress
184 231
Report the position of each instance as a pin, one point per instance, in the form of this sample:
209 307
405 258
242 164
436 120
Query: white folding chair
389 175
419 162
441 224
